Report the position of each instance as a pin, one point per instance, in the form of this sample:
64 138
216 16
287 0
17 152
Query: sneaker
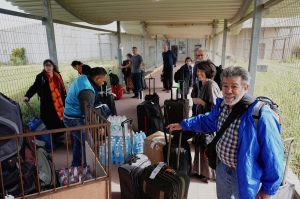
135 96
164 89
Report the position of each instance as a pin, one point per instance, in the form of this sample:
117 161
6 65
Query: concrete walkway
127 106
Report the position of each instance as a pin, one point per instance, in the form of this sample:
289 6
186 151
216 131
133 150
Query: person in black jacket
126 70
82 69
51 90
169 59
184 74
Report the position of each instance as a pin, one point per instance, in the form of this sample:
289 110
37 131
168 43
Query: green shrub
18 57
27 114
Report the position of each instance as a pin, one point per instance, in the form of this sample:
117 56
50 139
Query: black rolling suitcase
130 171
152 97
150 118
175 110
167 184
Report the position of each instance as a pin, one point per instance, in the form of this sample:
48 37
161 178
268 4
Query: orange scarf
54 83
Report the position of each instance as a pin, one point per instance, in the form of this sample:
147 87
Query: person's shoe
128 92
164 89
135 96
206 180
168 91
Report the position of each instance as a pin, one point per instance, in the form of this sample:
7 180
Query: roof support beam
48 22
19 14
256 26
224 43
119 51
266 7
156 51
215 40
243 9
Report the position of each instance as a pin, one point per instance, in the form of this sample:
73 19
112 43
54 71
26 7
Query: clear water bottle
112 150
121 156
128 147
88 175
61 177
139 144
65 181
117 152
143 134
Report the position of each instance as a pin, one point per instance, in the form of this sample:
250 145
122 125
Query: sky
7 5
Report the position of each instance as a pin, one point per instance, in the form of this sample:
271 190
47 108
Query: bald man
169 59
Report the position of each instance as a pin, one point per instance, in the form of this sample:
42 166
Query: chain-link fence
24 47
278 64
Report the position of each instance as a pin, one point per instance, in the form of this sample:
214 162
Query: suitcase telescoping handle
31 109
172 89
177 90
129 121
169 143
291 140
183 88
178 152
153 79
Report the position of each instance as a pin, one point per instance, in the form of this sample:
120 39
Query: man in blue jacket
83 89
169 59
250 155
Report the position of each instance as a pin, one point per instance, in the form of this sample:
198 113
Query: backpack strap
257 111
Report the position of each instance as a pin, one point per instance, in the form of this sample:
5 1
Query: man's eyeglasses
200 55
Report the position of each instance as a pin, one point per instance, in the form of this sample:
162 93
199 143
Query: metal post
119 51
100 47
48 22
256 25
224 43
214 41
156 51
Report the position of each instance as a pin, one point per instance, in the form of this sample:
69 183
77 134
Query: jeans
137 82
78 147
227 182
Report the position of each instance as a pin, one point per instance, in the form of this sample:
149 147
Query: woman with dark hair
83 89
82 69
205 101
126 70
51 90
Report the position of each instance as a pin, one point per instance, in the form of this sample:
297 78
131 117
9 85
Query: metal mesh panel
17 74
278 73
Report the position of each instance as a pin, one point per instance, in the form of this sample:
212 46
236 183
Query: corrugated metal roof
171 18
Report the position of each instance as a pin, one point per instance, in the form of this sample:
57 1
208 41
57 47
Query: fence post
119 52
48 22
256 25
224 43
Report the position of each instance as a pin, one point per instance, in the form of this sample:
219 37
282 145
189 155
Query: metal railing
97 130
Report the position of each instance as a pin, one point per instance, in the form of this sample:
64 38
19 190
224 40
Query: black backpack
10 124
265 101
114 79
217 78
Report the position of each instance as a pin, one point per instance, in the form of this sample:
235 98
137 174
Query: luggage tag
157 169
